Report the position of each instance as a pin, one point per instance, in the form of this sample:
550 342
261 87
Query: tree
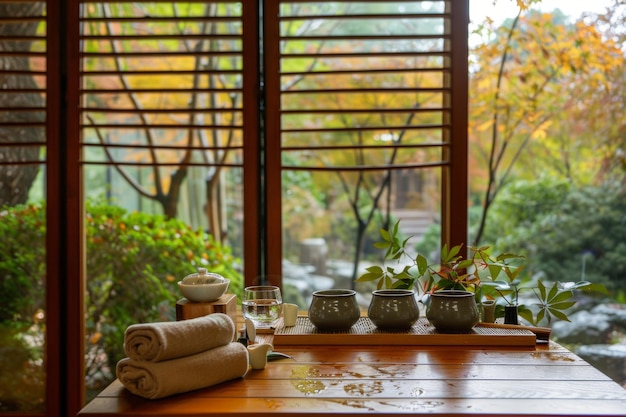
19 127
529 78
151 110
568 233
608 118
359 129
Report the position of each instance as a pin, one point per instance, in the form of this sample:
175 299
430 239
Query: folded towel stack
173 357
161 379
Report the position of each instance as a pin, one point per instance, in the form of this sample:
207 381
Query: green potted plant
488 276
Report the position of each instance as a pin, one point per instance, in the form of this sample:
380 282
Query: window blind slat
159 90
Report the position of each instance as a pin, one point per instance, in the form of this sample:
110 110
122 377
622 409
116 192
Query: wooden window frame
454 178
65 253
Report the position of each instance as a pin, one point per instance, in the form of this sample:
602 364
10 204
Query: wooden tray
422 333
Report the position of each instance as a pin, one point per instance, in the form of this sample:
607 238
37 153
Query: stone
615 312
584 328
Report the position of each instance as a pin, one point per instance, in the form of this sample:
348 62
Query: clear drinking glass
262 304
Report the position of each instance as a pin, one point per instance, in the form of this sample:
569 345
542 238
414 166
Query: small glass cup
262 304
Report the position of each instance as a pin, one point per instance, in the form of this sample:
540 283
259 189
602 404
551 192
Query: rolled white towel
162 341
154 380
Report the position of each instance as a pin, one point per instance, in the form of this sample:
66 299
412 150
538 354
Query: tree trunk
16 180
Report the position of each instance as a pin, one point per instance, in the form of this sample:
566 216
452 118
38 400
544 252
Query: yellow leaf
540 132
484 126
95 338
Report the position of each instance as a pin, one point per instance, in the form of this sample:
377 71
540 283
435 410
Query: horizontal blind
363 84
162 83
369 98
22 98
166 104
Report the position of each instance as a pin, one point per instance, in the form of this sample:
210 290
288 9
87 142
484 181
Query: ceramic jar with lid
203 286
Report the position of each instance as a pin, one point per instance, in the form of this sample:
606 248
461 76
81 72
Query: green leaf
562 306
394 252
501 285
591 287
454 251
542 290
599 288
512 272
526 314
396 226
553 291
464 264
422 264
382 245
375 269
561 296
404 275
367 277
444 253
388 282
558 314
375 272
494 271
540 315
507 255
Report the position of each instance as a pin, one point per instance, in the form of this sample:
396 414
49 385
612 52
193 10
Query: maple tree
535 81
364 128
168 123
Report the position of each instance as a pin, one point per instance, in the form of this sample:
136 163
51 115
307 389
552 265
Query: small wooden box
226 304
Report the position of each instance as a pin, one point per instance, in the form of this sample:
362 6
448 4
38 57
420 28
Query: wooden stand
226 304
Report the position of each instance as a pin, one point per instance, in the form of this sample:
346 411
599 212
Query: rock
584 328
314 251
615 312
610 359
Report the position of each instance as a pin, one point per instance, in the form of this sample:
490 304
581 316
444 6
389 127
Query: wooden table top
544 380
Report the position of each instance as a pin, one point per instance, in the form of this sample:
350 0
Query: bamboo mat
364 332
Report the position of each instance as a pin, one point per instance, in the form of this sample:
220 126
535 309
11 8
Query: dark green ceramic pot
393 309
334 309
452 311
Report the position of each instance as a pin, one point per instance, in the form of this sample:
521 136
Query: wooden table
544 380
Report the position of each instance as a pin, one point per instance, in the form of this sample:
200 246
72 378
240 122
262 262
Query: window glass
22 208
161 129
363 132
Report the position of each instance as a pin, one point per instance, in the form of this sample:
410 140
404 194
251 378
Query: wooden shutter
163 90
24 156
370 87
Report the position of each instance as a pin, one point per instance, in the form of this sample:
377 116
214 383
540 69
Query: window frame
65 248
454 174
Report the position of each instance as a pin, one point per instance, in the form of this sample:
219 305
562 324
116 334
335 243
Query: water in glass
262 304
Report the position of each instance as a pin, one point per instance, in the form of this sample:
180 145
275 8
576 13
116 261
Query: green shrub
22 300
568 233
134 261
22 265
